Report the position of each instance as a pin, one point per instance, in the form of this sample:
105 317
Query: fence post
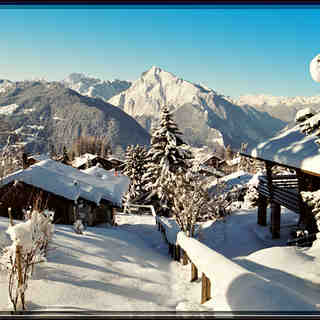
10 216
20 277
177 247
275 220
171 249
194 272
174 252
184 258
262 211
206 289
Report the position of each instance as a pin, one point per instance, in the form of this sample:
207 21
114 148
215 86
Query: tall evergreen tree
133 168
166 159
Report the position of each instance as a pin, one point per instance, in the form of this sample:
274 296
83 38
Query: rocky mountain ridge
204 116
47 112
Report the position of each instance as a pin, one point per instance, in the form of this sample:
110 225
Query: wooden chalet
230 166
69 192
88 160
212 160
299 156
209 164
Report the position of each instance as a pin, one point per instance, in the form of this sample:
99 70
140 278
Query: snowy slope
201 113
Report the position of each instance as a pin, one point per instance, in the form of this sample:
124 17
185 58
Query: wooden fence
183 254
170 233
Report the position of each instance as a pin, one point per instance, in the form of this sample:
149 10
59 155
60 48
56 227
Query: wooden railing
133 208
283 190
187 250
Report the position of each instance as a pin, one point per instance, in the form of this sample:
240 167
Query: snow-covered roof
118 183
114 159
203 157
79 161
39 157
214 171
303 114
233 161
311 123
292 148
66 181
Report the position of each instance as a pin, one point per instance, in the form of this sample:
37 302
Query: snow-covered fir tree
134 169
166 159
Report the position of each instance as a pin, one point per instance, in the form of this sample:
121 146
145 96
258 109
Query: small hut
66 190
299 156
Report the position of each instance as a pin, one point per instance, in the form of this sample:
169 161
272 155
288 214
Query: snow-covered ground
103 269
127 268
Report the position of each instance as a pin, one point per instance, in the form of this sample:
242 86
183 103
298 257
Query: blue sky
233 50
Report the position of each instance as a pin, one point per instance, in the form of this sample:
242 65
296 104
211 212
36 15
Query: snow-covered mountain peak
155 69
200 111
157 87
156 74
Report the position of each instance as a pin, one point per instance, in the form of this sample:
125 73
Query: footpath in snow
127 268
114 269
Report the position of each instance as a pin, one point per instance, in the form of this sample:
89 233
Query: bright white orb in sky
315 68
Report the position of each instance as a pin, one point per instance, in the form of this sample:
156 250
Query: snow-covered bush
78 226
312 202
192 203
309 122
29 245
251 197
43 220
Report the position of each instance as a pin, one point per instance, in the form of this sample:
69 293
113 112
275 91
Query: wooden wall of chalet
308 182
213 162
21 196
94 214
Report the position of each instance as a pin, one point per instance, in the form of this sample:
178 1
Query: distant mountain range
93 87
80 104
43 112
283 108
